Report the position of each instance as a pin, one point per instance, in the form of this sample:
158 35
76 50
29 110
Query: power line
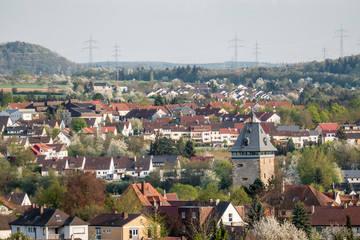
91 45
116 52
324 50
236 45
340 34
256 52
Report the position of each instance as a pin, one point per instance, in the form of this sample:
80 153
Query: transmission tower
256 52
340 33
324 50
90 45
116 52
236 45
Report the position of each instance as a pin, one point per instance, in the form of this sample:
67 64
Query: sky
185 31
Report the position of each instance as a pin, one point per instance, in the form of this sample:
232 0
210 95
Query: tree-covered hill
34 59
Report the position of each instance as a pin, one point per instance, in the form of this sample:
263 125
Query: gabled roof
253 139
19 105
294 193
15 198
5 220
165 159
49 218
97 163
328 126
147 194
333 216
113 219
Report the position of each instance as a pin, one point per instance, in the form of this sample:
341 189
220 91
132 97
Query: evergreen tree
257 211
301 219
341 134
180 146
350 235
290 146
189 149
219 233
159 101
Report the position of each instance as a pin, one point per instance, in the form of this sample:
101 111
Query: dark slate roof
292 128
15 198
100 84
352 173
112 219
3 121
253 139
165 159
34 140
141 113
5 220
97 163
47 218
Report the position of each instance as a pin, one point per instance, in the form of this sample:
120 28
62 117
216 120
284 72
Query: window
244 179
108 231
98 231
240 165
183 214
44 231
133 234
193 215
17 229
230 217
58 218
283 213
103 231
29 229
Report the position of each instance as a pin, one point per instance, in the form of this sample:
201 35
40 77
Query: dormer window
246 142
58 218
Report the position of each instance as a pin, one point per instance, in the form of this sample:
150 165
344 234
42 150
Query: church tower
252 156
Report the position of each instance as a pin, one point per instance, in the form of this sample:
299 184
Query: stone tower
252 156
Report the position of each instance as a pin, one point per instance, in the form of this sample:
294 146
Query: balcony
56 236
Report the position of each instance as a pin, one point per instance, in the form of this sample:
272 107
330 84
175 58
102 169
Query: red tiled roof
108 129
332 216
229 131
221 105
19 105
171 197
329 126
120 106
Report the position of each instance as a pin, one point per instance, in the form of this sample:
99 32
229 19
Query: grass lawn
219 154
29 85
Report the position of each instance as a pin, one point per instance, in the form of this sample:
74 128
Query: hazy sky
184 31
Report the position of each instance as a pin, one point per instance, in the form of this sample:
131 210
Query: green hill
33 58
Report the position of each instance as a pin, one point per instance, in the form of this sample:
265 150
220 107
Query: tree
159 101
256 188
238 196
223 170
257 211
219 233
83 189
97 97
128 202
18 236
341 134
189 149
117 148
350 235
53 196
301 219
268 228
185 192
155 224
78 124
290 146
136 125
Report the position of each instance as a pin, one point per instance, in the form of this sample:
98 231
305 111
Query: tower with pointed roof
252 156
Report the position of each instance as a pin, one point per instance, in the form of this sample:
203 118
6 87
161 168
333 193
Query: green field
30 85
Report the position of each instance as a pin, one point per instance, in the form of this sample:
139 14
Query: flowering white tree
268 228
117 148
209 177
291 174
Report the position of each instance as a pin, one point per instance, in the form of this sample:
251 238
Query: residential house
168 166
146 195
327 131
14 114
102 166
352 176
139 167
180 111
120 226
47 223
5 230
102 86
301 138
50 151
5 121
325 217
149 114
6 207
268 117
201 133
188 120
55 165
121 108
283 200
64 138
20 199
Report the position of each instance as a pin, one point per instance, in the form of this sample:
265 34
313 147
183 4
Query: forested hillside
32 58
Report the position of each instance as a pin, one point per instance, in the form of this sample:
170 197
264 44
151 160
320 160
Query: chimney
312 209
345 205
33 206
125 215
143 187
283 186
41 210
164 194
217 202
